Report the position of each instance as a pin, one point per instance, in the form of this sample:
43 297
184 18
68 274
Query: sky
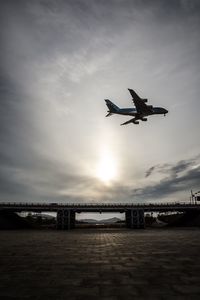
59 60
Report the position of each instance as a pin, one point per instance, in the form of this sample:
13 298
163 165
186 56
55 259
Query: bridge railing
94 205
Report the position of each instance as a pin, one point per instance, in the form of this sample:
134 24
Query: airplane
139 112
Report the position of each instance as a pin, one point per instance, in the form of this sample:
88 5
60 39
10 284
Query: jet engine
144 119
145 100
135 122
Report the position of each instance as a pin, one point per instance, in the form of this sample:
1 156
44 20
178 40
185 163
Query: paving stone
102 264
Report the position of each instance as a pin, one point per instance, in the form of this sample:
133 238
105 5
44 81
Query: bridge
66 212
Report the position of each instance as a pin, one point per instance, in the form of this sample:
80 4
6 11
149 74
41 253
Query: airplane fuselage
133 112
127 111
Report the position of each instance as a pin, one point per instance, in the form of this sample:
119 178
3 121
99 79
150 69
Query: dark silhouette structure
134 213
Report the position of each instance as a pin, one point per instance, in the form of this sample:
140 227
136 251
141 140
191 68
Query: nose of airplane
165 111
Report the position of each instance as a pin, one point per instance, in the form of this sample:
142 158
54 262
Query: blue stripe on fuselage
127 111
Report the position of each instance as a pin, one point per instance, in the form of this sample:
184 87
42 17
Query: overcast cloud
59 60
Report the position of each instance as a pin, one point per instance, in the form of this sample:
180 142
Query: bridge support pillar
135 218
65 219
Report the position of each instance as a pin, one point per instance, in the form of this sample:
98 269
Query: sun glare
106 169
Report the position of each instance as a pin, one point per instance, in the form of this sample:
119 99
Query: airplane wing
133 120
139 103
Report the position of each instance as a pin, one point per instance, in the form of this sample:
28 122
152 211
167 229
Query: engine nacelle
135 122
144 119
145 100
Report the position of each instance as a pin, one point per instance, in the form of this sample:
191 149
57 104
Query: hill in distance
104 221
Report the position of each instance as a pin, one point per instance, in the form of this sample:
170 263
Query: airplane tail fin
112 107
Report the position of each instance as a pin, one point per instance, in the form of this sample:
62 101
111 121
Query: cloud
171 169
180 177
59 60
47 181
150 171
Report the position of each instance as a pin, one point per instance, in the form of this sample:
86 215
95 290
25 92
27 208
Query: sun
106 169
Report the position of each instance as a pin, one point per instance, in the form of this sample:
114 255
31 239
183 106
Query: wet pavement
107 264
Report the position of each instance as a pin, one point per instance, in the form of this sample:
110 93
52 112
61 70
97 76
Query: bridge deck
103 207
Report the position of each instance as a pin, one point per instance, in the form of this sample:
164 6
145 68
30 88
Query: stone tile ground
107 264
